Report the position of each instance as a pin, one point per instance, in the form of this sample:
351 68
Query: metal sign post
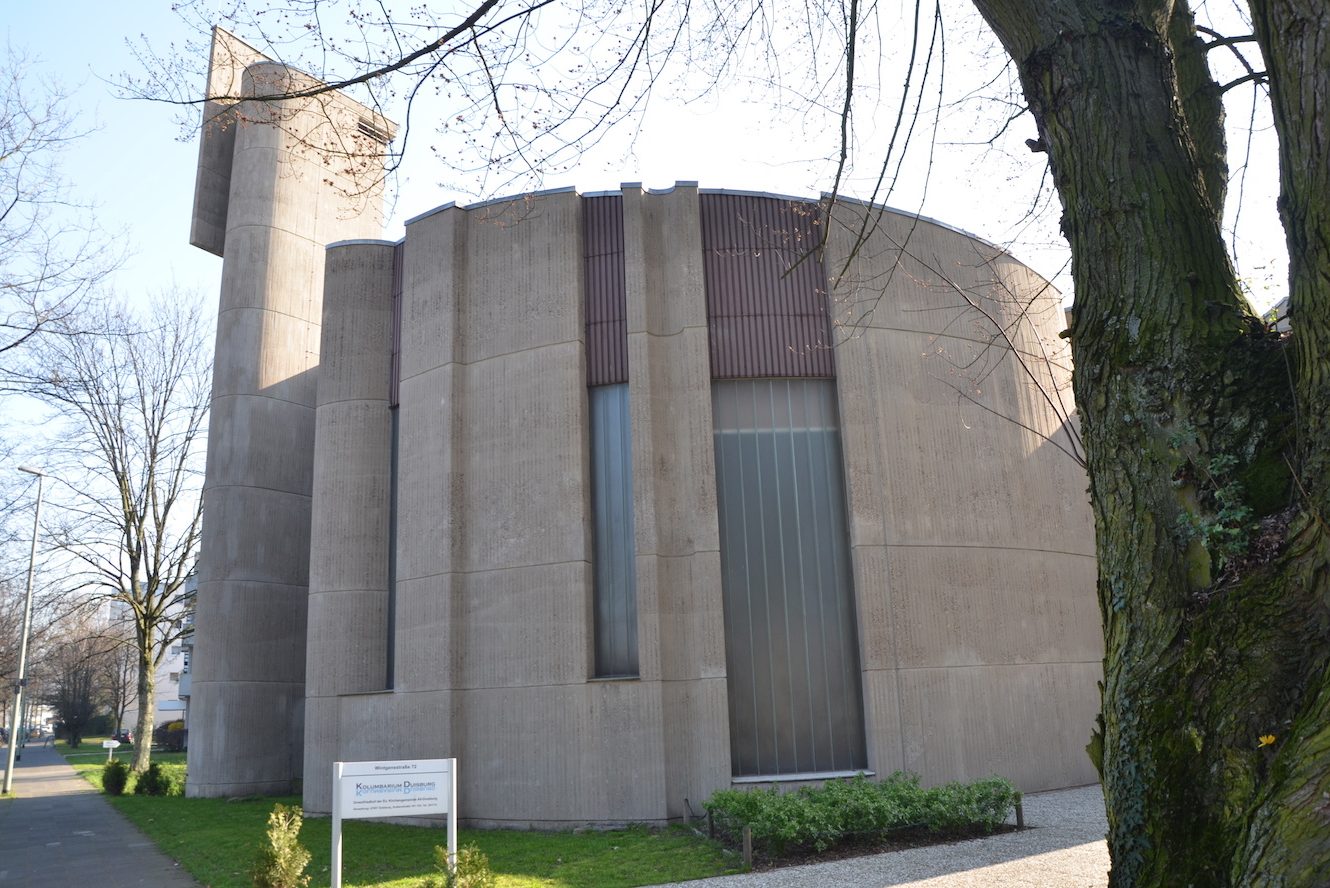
412 788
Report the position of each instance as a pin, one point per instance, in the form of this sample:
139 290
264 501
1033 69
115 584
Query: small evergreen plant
153 782
115 775
473 870
282 859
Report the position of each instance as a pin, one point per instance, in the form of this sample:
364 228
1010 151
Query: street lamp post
22 681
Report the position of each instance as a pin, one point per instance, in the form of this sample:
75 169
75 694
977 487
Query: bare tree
72 677
11 621
51 253
119 672
11 616
131 403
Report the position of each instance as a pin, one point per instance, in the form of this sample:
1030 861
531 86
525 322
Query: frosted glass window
615 574
791 642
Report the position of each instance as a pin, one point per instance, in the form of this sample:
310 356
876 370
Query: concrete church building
621 498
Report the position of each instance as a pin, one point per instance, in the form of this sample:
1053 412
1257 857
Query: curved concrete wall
971 538
285 202
349 536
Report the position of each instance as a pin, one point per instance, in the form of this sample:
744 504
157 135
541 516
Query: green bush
153 782
282 859
983 804
473 870
115 775
859 808
97 726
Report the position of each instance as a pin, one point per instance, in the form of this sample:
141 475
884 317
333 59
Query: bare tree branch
132 402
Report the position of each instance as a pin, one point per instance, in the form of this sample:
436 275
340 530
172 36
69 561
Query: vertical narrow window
390 658
614 596
791 642
394 402
612 513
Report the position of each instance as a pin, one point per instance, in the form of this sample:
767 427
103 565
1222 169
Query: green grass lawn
216 840
89 759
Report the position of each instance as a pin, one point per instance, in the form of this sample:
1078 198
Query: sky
136 164
131 166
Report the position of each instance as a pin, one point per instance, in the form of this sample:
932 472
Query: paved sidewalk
59 831
1065 849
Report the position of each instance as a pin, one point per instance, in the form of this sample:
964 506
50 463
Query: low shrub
153 782
983 804
282 859
97 726
473 870
859 808
115 776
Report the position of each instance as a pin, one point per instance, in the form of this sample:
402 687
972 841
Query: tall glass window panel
791 641
615 574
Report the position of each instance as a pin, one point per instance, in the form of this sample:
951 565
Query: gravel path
1064 849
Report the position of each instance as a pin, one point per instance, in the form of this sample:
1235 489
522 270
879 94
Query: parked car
125 737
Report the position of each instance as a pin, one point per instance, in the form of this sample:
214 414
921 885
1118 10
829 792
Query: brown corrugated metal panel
606 299
395 379
766 309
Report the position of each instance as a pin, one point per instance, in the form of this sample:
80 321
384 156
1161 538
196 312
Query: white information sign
410 788
109 746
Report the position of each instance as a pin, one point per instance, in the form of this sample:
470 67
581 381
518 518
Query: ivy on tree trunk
1204 432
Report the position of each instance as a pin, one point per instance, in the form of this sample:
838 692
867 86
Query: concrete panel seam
267 311
216 487
581 682
232 682
336 401
674 556
294 587
1029 664
654 335
862 328
489 570
296 234
479 361
977 546
301 404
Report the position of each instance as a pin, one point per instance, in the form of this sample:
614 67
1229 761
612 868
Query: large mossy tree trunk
1205 437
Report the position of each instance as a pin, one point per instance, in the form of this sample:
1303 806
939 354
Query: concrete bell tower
278 180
